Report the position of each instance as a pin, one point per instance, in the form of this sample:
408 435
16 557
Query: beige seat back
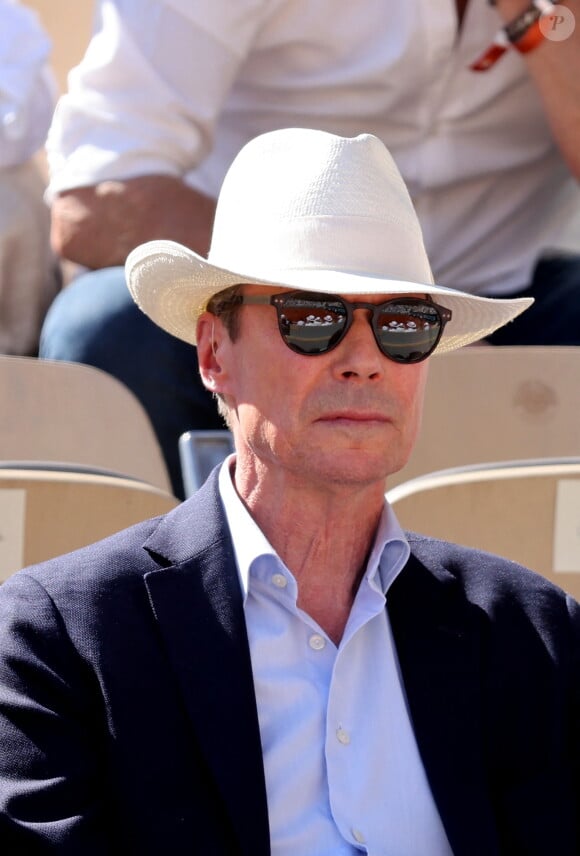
526 511
485 404
46 513
78 415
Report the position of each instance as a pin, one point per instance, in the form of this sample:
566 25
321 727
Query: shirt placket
343 729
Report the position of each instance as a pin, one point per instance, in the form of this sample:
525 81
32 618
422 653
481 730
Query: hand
98 226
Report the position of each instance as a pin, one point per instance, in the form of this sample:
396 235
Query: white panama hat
305 209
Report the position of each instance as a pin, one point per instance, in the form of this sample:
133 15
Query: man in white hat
226 679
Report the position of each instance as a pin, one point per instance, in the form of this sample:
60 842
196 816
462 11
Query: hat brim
172 285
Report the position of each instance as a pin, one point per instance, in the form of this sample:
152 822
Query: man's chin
351 468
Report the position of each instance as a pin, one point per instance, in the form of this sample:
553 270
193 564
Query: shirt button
358 836
317 642
343 736
279 580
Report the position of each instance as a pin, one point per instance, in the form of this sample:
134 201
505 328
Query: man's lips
354 416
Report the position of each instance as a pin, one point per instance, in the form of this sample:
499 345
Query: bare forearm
555 69
98 226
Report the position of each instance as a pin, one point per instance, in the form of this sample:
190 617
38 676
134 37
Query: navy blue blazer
128 719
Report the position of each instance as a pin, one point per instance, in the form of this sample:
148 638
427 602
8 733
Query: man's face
349 416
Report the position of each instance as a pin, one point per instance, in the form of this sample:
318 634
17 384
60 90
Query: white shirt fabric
343 771
27 85
179 86
29 277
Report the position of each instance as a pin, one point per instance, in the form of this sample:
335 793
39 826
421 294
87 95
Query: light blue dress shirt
342 767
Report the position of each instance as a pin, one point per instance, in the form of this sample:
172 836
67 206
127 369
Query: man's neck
324 538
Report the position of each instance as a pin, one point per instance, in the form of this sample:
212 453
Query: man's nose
358 355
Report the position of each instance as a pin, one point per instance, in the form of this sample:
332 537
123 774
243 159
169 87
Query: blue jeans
95 321
554 318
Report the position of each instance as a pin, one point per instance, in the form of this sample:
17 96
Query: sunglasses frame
279 302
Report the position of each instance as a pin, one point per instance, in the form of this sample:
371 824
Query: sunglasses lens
408 332
311 324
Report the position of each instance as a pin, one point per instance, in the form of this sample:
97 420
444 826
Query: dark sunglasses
406 329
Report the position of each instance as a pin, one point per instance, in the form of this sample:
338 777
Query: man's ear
211 336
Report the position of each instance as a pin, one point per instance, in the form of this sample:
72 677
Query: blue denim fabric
554 318
95 321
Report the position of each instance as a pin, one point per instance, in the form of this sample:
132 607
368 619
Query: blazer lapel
197 602
438 644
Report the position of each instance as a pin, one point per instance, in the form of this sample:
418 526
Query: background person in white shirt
275 667
168 92
29 273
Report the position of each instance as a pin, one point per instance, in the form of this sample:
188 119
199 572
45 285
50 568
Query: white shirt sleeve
27 86
146 96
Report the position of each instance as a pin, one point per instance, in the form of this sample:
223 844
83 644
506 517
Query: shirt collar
388 556
248 539
390 551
